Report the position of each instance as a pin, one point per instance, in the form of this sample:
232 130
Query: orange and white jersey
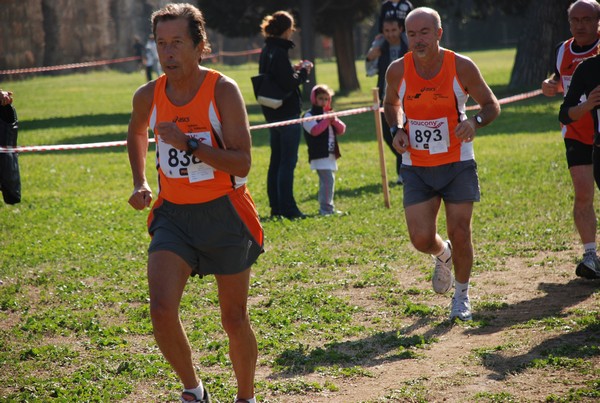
184 179
567 61
432 110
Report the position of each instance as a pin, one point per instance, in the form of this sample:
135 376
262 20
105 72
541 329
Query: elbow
239 166
244 168
563 116
497 108
241 172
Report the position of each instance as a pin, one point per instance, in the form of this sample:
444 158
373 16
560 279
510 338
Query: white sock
198 391
446 253
252 400
461 290
589 247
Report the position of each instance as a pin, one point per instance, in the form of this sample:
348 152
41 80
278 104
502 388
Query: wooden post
379 133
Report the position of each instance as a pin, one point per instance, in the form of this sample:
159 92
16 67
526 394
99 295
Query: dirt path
540 298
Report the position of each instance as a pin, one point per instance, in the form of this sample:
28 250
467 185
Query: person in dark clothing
10 177
138 50
585 81
397 9
578 135
284 140
391 49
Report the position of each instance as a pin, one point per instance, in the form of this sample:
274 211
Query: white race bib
176 164
432 135
566 83
566 80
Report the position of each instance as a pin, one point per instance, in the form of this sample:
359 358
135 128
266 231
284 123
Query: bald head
584 16
592 6
425 12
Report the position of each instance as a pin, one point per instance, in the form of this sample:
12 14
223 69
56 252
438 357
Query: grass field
333 300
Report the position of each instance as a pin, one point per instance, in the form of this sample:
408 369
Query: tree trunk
343 43
77 31
534 58
21 34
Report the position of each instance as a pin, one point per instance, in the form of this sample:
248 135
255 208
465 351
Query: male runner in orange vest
579 135
204 220
424 106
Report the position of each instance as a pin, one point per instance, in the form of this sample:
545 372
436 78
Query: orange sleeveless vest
185 179
432 109
566 62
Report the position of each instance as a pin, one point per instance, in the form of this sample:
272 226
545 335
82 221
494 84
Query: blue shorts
454 183
211 237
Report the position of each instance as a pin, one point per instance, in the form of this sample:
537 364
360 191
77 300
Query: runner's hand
141 197
465 130
400 141
549 87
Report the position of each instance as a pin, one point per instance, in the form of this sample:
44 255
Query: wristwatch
192 145
394 130
479 120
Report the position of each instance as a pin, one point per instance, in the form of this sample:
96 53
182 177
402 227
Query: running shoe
589 267
442 279
461 309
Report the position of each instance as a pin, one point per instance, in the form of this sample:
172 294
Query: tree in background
337 19
236 18
546 26
239 18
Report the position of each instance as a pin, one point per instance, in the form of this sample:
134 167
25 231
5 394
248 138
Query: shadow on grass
102 119
97 138
349 193
378 349
564 351
557 351
558 297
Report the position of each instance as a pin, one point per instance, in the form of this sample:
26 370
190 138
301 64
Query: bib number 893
424 136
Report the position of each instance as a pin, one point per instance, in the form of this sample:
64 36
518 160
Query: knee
163 314
235 321
425 244
583 198
461 235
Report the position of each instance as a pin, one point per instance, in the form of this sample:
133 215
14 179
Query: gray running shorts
456 182
211 237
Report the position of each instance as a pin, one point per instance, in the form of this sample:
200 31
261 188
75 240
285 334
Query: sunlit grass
326 295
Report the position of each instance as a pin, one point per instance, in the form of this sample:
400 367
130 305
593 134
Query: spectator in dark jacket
392 48
397 9
285 140
10 177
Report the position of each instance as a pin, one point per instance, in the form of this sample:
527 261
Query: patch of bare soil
468 363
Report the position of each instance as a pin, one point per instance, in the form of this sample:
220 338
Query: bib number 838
179 158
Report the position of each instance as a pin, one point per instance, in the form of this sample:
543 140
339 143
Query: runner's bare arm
473 82
391 103
137 145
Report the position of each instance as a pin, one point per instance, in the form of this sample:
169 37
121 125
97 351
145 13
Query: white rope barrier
356 111
114 61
